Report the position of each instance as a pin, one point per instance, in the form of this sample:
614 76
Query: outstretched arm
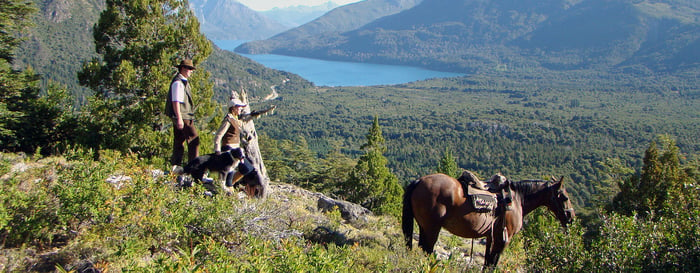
255 114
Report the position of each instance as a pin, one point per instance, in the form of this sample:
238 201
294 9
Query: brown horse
438 201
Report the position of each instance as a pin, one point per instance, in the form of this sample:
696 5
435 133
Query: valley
603 94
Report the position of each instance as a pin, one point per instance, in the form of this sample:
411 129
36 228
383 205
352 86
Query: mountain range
639 36
231 20
327 28
298 15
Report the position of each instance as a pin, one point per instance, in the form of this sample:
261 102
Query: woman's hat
236 102
186 63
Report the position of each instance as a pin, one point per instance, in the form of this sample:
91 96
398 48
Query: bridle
559 201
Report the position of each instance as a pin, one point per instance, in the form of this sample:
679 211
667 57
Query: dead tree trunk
249 142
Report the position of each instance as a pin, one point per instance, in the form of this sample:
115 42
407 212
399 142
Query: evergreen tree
299 160
448 164
28 121
139 43
13 84
292 161
371 183
14 16
650 191
335 168
274 157
612 170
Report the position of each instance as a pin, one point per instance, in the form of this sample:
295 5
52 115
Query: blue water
333 73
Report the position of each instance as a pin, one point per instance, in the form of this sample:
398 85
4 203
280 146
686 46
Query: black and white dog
224 163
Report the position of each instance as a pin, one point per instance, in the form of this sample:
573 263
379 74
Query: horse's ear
558 182
561 182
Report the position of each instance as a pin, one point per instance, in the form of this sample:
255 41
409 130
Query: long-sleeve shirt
229 133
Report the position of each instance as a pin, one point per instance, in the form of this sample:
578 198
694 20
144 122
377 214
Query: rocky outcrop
351 212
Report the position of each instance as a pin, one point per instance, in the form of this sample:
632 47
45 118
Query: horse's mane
529 186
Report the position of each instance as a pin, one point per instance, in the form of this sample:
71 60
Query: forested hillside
93 191
62 41
522 128
639 37
232 72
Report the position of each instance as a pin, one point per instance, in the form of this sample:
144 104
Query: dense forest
626 144
494 125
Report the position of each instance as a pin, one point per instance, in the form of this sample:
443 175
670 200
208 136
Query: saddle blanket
482 201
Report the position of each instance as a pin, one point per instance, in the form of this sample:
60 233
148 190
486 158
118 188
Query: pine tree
28 121
13 84
371 183
334 169
650 191
139 43
14 17
448 164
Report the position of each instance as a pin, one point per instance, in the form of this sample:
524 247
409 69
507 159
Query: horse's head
560 203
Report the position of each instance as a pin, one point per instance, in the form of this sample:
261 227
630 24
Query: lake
334 73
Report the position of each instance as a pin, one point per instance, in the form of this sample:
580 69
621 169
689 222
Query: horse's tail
407 217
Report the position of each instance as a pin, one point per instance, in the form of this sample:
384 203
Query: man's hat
186 63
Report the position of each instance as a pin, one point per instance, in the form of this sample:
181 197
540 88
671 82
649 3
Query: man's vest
186 108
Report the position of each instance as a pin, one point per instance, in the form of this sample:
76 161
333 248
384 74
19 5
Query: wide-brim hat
236 102
186 63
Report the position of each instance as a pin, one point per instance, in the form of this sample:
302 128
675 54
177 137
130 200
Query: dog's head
236 153
253 184
252 181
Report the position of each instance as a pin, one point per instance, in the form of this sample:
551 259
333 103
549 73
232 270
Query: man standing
180 108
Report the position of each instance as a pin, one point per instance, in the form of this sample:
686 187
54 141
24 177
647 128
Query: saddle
486 197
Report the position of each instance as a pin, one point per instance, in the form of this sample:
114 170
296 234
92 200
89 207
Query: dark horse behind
438 201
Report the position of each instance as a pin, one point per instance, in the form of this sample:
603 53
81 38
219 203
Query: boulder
349 211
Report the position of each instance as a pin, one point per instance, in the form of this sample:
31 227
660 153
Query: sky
261 5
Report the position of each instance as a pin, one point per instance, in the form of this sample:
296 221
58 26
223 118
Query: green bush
652 227
28 216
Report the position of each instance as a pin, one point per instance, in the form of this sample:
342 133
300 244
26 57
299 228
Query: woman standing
228 137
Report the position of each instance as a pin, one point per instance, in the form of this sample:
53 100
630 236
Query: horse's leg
494 248
427 238
488 256
496 252
496 242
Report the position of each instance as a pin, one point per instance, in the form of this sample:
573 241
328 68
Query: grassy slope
80 214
